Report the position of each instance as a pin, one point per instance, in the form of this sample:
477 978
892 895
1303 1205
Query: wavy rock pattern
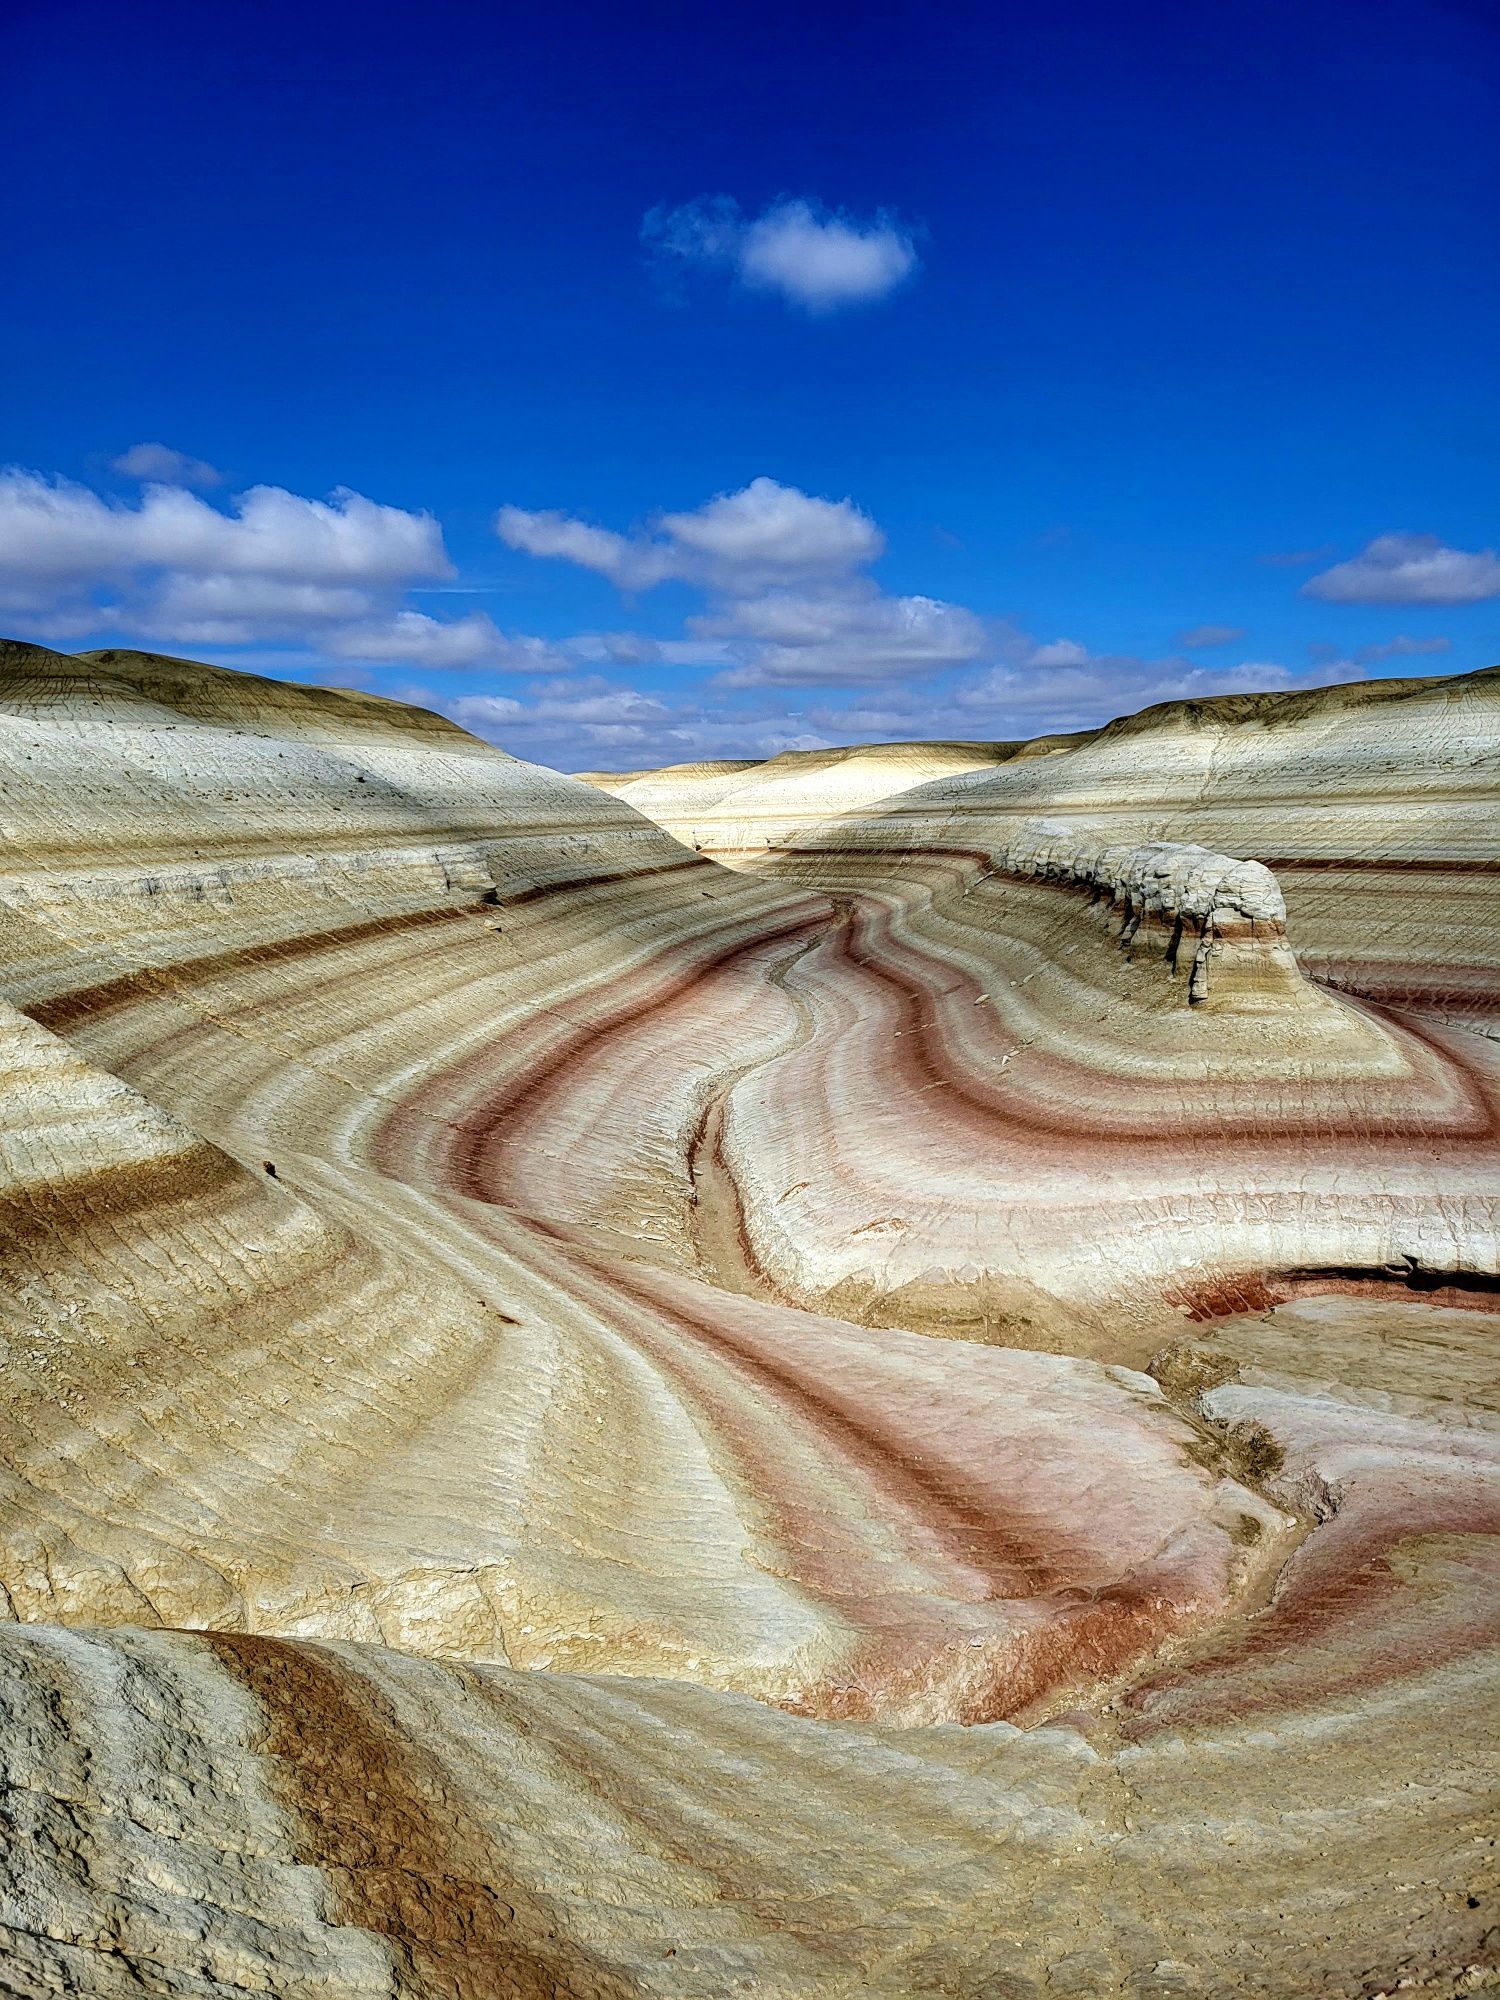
908 1418
1373 804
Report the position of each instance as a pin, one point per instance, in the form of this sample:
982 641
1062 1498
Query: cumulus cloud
767 529
816 258
789 603
847 637
594 724
413 639
1409 569
1209 635
57 531
328 575
1059 653
626 649
580 721
632 565
158 464
764 533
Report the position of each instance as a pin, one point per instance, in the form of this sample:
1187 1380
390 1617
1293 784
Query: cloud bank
788 640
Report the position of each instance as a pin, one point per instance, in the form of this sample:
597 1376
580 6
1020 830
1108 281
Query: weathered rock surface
1373 804
482 1506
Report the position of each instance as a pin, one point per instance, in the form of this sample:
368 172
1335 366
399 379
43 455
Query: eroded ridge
1197 906
915 1419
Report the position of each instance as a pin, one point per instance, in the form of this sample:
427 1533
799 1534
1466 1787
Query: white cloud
632 565
1209 635
815 257
238 610
1059 653
272 567
849 637
412 639
788 605
577 724
1409 569
766 530
824 261
158 464
763 533
565 721
595 724
58 531
595 702
626 649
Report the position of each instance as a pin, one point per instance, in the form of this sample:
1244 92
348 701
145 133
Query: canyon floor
874 1374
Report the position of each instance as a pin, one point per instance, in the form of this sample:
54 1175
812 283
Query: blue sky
653 383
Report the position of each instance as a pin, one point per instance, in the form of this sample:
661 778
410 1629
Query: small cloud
1059 653
1400 648
767 528
159 465
631 565
1209 635
814 257
1297 558
411 638
1409 569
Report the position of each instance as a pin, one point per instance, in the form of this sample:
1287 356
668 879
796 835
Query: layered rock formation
745 804
907 1417
1372 803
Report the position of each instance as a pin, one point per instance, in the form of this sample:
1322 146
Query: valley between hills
871 1374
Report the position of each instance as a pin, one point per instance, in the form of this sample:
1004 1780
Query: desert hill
582 1420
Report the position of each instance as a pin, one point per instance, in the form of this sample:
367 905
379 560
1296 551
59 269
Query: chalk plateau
867 1375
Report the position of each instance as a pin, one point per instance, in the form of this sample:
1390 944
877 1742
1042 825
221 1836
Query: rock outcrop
909 1416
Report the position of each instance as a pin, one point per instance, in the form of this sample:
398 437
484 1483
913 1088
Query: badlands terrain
867 1375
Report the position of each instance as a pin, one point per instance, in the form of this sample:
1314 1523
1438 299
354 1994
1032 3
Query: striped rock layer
911 1416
